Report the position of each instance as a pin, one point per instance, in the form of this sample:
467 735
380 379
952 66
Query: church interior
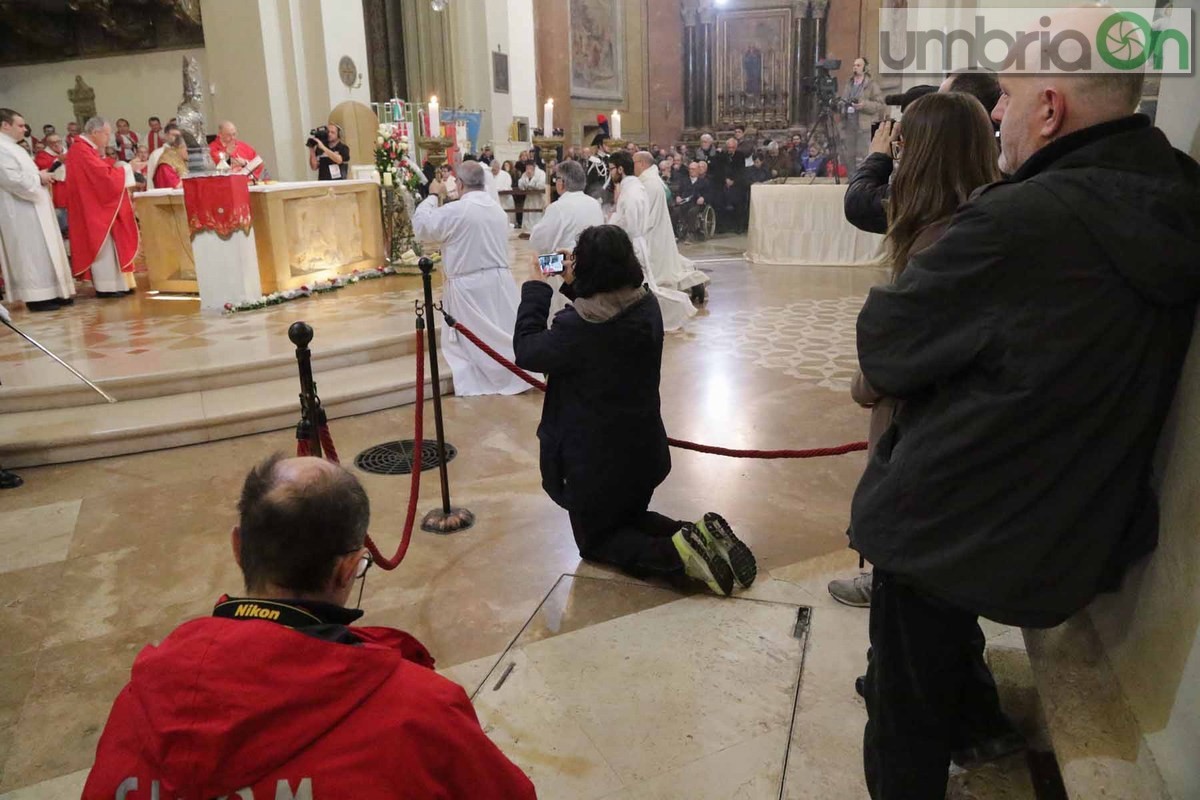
595 682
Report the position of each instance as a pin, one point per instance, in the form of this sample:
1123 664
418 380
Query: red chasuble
239 149
98 205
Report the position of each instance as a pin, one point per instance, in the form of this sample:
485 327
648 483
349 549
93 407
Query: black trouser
928 691
628 536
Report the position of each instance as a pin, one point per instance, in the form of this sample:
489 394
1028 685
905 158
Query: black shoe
110 294
129 291
9 480
976 755
66 301
42 305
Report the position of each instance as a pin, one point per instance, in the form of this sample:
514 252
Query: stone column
690 70
708 44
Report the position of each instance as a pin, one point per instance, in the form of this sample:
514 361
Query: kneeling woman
603 444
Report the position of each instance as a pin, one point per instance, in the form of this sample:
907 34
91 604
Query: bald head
642 161
1038 107
226 132
297 518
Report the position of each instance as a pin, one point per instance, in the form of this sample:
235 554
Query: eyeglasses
364 564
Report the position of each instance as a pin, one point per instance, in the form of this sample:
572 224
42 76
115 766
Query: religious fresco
753 71
597 60
323 233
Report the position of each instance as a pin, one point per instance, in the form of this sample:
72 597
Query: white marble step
190 374
77 433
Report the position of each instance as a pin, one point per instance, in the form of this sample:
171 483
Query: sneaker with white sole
735 551
855 592
702 561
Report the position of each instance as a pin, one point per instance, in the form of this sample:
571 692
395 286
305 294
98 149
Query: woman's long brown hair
949 152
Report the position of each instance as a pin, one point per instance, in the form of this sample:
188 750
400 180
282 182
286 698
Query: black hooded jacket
1034 351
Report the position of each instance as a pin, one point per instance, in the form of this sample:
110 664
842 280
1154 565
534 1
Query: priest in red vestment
237 154
104 234
155 138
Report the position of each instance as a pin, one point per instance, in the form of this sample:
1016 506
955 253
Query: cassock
104 234
32 257
669 268
559 229
534 203
478 289
238 149
632 214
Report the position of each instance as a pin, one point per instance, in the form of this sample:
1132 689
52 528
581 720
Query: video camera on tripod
825 85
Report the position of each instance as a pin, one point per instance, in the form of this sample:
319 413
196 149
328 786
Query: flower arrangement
324 286
394 161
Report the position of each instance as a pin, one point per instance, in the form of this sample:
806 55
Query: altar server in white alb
32 256
632 215
564 220
479 290
533 180
670 269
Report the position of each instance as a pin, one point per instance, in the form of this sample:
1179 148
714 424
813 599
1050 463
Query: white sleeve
18 181
429 221
541 238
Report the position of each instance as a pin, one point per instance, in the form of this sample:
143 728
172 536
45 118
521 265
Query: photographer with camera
332 162
603 445
870 184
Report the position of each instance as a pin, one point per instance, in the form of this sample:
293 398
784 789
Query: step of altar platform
199 371
80 432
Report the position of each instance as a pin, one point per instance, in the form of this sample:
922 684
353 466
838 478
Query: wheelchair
701 225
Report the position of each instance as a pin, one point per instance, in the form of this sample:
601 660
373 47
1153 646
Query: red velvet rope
414 493
818 452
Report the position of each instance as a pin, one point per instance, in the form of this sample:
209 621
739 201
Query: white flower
378 140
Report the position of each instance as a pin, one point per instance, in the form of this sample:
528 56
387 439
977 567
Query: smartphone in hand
551 263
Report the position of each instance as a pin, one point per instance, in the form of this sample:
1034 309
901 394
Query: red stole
98 206
155 140
44 161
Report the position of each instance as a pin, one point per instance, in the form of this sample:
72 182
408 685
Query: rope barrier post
308 431
446 519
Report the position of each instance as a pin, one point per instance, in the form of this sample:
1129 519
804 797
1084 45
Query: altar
802 223
304 232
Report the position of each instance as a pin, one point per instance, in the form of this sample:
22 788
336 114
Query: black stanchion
301 333
446 519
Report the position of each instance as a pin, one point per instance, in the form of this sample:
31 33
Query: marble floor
619 689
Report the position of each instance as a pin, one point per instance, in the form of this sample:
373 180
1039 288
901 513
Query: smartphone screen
551 263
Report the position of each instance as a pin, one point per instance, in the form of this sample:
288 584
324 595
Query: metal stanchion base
438 521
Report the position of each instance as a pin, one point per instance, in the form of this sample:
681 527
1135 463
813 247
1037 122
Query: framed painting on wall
500 72
754 64
596 53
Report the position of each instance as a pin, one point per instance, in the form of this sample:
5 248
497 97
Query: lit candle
548 118
387 179
435 120
616 124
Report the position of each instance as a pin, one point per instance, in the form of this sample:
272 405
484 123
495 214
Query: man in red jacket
278 695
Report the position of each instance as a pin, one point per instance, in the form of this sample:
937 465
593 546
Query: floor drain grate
396 458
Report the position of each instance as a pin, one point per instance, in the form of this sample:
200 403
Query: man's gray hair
572 174
470 174
94 124
644 158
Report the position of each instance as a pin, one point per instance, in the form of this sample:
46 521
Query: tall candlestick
435 119
616 125
548 118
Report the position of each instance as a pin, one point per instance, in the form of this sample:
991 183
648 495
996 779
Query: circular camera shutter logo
1124 40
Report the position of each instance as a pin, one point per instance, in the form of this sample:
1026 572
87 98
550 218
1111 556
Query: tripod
827 123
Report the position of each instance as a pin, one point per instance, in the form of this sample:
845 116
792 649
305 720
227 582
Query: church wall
135 87
1151 628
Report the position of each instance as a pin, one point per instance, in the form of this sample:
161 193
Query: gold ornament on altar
435 148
